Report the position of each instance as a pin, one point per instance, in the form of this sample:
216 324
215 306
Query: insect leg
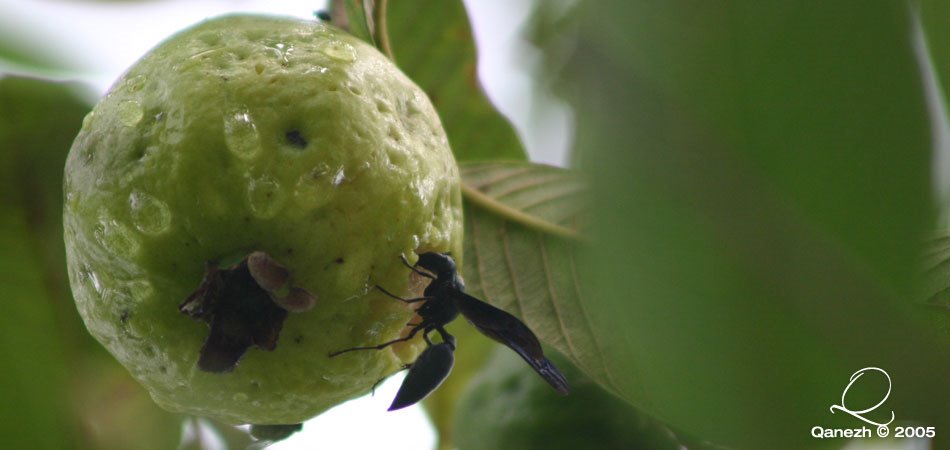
380 346
446 337
405 300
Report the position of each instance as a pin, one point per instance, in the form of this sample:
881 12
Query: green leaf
543 198
22 48
442 405
116 413
521 252
358 21
34 412
39 327
433 44
934 306
63 388
935 19
38 121
539 210
937 267
508 406
759 185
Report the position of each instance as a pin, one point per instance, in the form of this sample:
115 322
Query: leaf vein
505 174
506 212
553 295
600 349
479 266
511 272
539 180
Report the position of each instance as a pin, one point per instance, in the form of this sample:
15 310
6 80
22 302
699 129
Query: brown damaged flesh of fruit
244 305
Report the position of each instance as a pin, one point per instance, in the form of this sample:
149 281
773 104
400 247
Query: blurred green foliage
34 387
761 175
38 121
935 20
432 41
60 389
507 406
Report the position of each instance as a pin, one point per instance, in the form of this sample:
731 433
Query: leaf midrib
506 212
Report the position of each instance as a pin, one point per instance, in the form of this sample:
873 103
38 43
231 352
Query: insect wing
508 330
431 368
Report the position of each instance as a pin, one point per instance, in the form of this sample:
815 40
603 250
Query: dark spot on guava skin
243 306
125 315
298 338
339 260
295 139
240 314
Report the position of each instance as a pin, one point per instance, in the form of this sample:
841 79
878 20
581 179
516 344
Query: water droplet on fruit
94 281
116 237
382 106
129 112
279 51
340 51
240 134
423 189
316 69
135 83
312 189
87 156
140 290
265 197
412 106
87 121
149 214
339 177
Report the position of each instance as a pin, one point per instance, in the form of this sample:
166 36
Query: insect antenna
413 268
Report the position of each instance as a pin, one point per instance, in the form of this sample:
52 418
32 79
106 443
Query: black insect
427 373
444 299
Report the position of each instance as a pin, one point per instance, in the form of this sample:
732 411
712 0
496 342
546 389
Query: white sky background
102 39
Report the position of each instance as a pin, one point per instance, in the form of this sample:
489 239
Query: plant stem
382 30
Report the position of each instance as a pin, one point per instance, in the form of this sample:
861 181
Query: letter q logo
859 413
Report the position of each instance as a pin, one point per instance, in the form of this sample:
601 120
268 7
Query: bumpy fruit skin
248 133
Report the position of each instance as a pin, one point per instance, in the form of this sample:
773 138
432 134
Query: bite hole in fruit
295 139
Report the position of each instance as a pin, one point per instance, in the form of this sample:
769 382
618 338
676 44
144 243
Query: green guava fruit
242 188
